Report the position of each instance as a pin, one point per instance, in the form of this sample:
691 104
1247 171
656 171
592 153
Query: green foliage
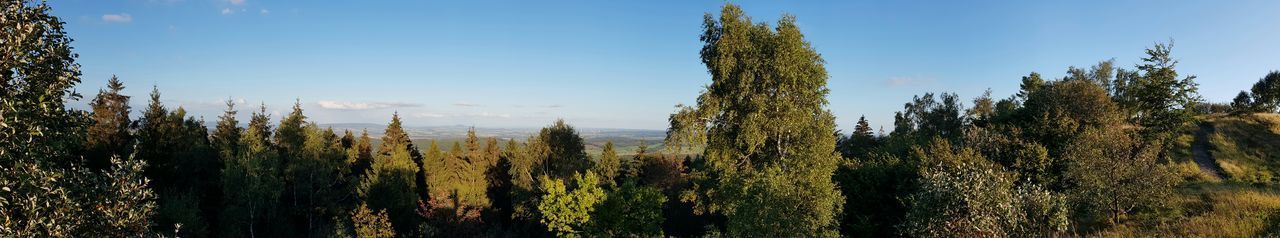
608 164
127 204
371 225
861 141
872 187
924 117
1114 173
962 194
317 181
109 134
767 134
1161 101
1242 103
630 211
252 185
1266 93
390 183
566 211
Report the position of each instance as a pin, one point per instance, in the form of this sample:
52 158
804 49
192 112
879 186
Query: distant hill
625 140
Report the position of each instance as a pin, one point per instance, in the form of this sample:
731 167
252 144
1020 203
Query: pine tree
391 181
226 134
109 134
766 134
608 164
317 180
252 184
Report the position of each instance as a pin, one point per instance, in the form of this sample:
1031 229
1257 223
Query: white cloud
117 18
227 11
264 11
236 2
363 105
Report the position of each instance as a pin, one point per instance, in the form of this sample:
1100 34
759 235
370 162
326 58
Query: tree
1266 92
608 164
560 150
128 205
1030 84
458 186
44 189
1242 103
252 184
317 179
567 211
767 136
630 211
1115 173
983 108
856 144
963 194
372 225
1162 101
226 134
109 134
924 117
390 183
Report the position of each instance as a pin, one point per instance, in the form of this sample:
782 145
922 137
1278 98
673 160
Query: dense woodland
1093 153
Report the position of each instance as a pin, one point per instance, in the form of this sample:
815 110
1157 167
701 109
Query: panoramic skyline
617 64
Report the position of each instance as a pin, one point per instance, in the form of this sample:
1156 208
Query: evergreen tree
317 180
109 134
390 183
252 184
608 164
1030 84
766 134
983 108
226 134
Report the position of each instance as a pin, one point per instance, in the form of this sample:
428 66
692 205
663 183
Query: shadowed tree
109 135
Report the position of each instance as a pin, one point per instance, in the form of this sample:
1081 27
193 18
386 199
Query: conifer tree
317 180
767 134
608 164
252 184
109 134
391 181
226 134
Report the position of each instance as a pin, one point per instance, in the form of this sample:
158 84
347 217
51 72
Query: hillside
1244 201
1247 147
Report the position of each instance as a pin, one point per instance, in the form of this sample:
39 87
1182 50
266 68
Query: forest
1107 151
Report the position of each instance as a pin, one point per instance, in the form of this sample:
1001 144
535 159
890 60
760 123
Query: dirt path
1200 151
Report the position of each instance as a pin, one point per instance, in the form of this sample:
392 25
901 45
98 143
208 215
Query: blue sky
621 64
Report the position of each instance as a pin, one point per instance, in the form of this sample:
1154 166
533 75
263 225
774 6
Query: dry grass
1247 147
1213 210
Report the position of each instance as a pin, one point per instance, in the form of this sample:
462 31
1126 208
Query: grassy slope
1247 147
1246 204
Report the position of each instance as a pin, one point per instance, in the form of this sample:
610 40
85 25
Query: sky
620 64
